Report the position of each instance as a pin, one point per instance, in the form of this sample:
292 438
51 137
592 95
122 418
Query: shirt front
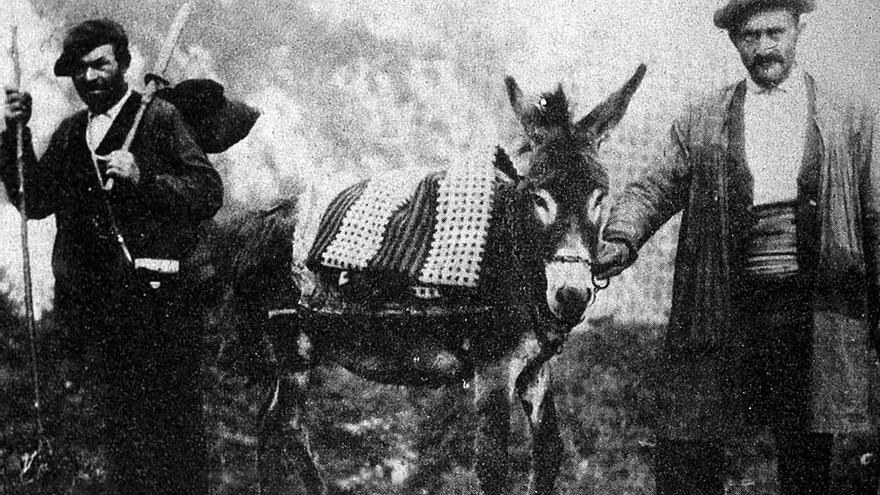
775 133
99 123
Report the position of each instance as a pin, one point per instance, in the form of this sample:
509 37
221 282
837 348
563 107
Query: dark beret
734 11
85 37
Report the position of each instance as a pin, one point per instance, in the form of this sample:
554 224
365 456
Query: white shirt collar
100 123
113 111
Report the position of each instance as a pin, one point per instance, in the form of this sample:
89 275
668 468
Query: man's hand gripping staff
121 163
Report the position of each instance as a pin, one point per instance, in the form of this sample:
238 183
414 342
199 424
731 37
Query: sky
348 88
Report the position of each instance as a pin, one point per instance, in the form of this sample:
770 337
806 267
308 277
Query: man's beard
756 69
101 94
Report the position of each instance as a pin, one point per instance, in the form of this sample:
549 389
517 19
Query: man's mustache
94 87
764 59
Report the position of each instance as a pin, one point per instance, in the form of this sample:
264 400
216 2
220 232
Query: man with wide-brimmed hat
121 257
775 294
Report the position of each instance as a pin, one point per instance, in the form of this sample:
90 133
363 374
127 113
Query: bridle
529 183
598 283
526 183
551 346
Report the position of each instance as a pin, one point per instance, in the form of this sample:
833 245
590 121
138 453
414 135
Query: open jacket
158 218
703 173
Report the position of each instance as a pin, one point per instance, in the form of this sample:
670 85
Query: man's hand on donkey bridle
612 259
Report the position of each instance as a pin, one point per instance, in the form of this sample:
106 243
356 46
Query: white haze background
347 88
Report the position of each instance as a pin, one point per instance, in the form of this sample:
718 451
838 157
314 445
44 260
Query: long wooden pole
165 53
25 245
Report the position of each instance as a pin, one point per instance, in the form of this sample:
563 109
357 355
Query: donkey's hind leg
492 462
283 440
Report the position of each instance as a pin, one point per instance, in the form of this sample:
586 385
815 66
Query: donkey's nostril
572 303
572 297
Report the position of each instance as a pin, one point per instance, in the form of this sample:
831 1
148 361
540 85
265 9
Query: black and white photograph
404 247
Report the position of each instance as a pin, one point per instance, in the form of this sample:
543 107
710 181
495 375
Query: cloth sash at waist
774 289
771 248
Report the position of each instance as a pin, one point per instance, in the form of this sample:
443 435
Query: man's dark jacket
703 173
158 218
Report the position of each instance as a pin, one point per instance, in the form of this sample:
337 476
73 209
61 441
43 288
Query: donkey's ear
516 97
593 128
504 164
559 93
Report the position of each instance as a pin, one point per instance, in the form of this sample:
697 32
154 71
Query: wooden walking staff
25 251
159 68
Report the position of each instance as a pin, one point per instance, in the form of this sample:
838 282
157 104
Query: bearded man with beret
121 256
775 292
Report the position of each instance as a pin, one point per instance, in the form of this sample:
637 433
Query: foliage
605 404
374 439
66 457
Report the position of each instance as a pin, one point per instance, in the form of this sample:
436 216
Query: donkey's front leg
531 367
547 448
283 440
493 429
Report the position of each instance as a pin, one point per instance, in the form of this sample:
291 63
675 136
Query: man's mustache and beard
761 69
101 93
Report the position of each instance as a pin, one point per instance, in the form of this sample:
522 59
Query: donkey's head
564 186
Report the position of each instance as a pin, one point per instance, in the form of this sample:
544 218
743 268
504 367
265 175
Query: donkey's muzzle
571 302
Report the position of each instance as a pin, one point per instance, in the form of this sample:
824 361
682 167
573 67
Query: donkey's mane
552 110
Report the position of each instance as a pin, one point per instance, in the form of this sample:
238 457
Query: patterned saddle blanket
430 230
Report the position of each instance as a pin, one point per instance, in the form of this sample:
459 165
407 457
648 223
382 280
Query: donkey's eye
543 102
539 200
545 208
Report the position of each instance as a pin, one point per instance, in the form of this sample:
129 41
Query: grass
375 439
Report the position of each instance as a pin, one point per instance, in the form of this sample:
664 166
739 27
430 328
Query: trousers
141 353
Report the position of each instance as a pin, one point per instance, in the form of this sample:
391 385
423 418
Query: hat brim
732 13
64 65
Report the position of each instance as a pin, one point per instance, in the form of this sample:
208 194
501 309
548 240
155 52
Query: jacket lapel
740 177
77 148
813 141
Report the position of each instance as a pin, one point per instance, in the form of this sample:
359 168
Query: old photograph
440 247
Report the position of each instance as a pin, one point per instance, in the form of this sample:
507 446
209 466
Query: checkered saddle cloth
429 229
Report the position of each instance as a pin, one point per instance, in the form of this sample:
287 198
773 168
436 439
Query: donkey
500 342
